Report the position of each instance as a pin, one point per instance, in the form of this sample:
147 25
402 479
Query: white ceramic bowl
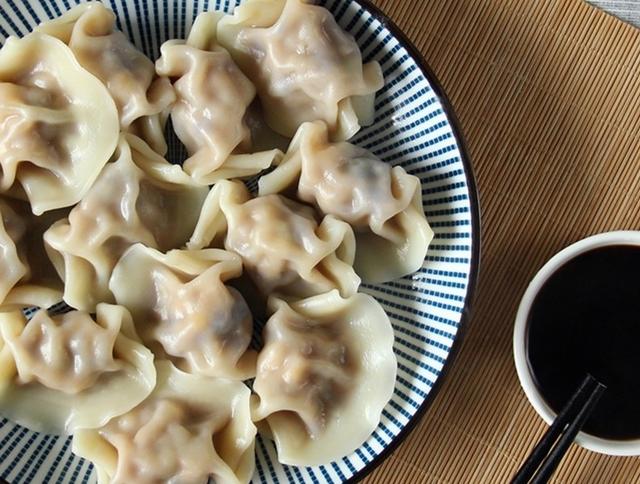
414 127
596 444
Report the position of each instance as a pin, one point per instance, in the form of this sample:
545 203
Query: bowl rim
474 207
605 239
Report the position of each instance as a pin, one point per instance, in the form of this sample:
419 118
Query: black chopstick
565 427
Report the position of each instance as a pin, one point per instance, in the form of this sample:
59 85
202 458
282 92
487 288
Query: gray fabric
627 10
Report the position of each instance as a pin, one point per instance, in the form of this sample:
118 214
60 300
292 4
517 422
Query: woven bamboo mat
548 95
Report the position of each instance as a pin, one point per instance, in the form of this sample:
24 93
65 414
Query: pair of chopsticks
544 458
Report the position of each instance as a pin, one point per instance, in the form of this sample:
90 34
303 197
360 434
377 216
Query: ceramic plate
414 127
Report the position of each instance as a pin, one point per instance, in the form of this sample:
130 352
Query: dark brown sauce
586 318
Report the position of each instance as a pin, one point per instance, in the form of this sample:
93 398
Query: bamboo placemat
548 95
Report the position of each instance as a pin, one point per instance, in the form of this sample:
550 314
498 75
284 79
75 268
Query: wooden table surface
548 96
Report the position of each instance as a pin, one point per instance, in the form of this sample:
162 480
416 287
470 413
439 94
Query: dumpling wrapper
27 277
67 372
382 203
190 428
283 248
180 301
213 96
139 197
304 66
326 371
143 99
12 266
60 125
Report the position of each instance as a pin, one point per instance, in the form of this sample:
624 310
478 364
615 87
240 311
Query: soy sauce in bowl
586 318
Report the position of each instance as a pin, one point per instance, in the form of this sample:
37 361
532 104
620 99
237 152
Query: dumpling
304 66
190 428
142 98
213 98
180 301
283 248
382 203
325 373
67 372
140 197
58 124
27 277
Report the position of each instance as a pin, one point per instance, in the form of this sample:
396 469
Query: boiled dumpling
59 125
325 373
283 247
189 429
66 372
140 197
303 64
142 98
68 353
213 96
27 277
382 203
180 301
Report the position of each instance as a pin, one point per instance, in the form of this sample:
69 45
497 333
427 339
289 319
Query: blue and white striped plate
415 128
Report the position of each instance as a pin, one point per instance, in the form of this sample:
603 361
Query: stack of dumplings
163 268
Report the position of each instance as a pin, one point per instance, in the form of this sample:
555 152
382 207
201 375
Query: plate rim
476 240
